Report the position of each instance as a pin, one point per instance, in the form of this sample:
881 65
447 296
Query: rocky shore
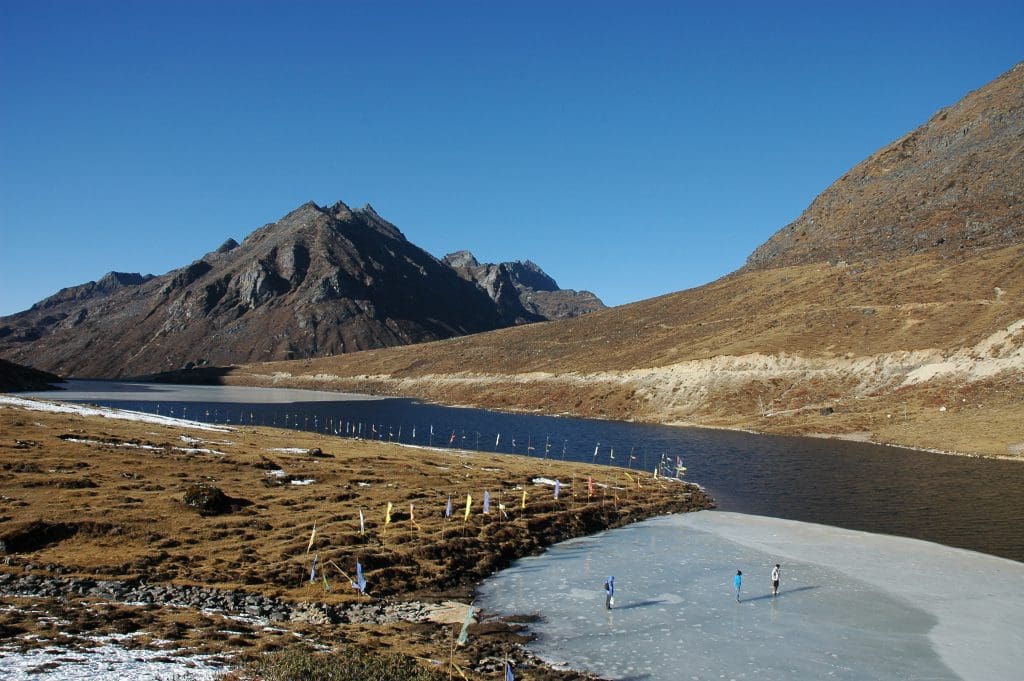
101 538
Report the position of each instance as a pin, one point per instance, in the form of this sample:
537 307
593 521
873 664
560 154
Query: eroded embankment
964 401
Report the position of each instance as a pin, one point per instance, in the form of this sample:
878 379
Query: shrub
347 663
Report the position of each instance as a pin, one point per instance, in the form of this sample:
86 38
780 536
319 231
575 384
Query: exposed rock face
955 184
522 290
322 280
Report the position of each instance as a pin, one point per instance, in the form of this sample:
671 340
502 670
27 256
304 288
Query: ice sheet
852 605
155 392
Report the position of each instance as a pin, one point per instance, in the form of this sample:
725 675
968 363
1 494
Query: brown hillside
892 310
786 342
951 185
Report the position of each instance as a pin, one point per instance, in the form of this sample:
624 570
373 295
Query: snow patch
106 412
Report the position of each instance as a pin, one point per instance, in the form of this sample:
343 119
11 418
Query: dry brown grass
120 485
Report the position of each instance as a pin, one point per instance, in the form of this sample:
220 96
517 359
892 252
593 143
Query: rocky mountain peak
461 259
228 246
522 290
953 185
318 281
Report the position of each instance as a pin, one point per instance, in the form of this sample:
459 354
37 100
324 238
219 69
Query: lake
971 503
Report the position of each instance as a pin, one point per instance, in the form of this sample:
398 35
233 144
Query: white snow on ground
123 445
132 445
106 412
852 605
107 660
289 450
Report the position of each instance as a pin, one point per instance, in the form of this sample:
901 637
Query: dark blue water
971 503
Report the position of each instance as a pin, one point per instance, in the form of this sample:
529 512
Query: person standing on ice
738 582
775 580
609 592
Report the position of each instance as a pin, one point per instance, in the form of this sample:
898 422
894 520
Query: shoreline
121 518
325 394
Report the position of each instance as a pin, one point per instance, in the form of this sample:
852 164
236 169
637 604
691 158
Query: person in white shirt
775 580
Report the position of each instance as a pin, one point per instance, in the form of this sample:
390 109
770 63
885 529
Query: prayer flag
497 440
509 676
469 507
323 576
452 438
558 486
312 538
523 504
487 501
360 580
362 523
312 569
387 515
590 485
412 515
597 447
448 508
464 634
611 454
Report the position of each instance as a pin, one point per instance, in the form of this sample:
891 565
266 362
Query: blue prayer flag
360 580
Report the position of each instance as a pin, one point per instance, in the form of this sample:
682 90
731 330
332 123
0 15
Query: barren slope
892 309
885 348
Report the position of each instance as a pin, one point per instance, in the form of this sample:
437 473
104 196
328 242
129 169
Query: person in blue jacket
609 591
738 582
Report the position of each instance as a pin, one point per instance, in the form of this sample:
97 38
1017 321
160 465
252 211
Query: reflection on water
959 501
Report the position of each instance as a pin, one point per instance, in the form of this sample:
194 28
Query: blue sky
629 148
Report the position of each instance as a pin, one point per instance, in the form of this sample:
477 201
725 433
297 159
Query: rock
522 290
207 499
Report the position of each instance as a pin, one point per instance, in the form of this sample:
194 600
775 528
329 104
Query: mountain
522 290
952 186
892 310
320 281
15 377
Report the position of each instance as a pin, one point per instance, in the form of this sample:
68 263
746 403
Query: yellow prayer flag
412 517
469 506
312 538
523 505
387 515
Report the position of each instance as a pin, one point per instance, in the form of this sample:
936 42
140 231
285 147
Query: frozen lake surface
154 392
851 605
